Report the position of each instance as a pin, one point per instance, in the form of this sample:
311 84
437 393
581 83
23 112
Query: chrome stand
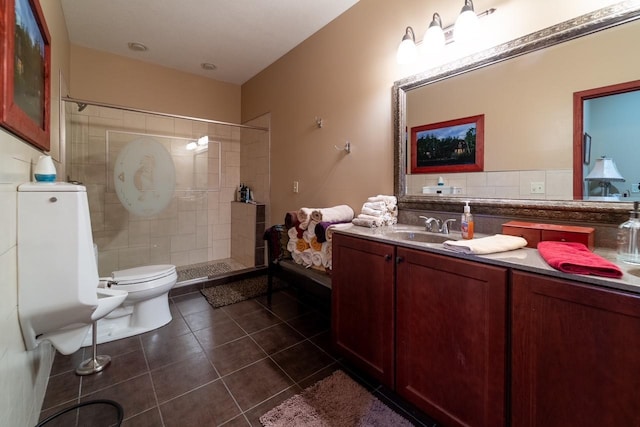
96 363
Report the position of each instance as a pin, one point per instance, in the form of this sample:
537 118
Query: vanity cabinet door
451 332
575 354
362 306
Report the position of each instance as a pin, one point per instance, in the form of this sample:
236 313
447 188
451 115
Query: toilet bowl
146 306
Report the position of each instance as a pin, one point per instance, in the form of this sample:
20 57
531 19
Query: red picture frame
451 146
25 69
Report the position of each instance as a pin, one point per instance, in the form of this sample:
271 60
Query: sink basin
420 236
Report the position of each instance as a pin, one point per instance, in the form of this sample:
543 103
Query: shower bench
314 283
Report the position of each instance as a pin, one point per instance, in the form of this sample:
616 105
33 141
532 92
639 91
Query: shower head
81 106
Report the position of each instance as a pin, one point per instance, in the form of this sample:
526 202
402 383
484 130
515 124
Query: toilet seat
143 278
142 274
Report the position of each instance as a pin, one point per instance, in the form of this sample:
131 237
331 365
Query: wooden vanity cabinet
450 337
575 354
362 304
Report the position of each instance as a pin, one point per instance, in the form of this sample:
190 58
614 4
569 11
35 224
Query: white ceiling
241 37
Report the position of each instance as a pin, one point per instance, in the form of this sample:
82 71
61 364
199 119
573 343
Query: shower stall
161 187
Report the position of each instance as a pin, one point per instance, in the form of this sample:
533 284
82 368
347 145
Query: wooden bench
311 282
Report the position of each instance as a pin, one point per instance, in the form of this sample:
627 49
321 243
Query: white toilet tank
57 270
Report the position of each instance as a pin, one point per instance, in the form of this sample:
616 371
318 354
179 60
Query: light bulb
434 40
407 51
467 26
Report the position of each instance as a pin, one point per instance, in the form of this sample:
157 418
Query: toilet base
132 319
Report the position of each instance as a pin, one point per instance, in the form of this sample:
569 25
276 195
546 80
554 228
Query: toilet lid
142 274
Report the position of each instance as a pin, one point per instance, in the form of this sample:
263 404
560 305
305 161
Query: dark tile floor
207 367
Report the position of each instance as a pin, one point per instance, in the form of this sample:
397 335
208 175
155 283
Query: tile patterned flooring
209 367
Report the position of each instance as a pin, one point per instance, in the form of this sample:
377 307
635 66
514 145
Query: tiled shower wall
196 225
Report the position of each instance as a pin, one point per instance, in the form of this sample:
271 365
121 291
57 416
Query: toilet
146 306
58 285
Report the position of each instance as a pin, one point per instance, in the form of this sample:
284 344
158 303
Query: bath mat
240 290
203 270
335 401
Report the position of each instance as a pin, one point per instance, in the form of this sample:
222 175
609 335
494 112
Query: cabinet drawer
531 235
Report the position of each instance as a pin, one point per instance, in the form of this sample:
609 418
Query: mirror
533 136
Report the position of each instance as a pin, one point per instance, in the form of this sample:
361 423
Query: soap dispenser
466 224
629 238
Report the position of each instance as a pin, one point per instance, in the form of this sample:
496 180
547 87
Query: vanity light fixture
606 172
137 47
436 36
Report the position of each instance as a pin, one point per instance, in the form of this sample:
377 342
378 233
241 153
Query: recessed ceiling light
208 66
137 47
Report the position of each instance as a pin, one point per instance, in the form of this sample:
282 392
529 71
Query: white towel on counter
373 212
388 200
486 245
377 206
368 221
338 213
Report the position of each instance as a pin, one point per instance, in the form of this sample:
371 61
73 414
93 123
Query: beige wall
344 74
107 78
24 374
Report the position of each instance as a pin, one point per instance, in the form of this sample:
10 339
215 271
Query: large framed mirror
529 120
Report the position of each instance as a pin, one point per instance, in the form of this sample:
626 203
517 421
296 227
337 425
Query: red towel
291 219
576 258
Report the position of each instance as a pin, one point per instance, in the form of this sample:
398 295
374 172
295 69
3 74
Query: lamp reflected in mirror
605 172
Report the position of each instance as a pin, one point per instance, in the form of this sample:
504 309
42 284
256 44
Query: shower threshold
204 271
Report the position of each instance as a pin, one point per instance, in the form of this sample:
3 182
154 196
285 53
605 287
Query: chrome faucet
428 224
445 225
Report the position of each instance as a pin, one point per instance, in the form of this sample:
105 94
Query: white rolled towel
292 233
291 245
366 222
486 245
310 231
296 257
325 254
328 252
305 257
304 215
316 258
333 227
379 221
372 212
378 206
388 200
338 213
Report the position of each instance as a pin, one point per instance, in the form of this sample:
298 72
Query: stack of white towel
378 211
303 244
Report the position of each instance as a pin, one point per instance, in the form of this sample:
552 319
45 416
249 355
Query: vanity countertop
526 259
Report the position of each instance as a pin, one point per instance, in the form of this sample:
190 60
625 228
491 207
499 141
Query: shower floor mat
203 270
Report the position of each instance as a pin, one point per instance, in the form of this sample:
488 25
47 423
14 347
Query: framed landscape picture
451 146
25 68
